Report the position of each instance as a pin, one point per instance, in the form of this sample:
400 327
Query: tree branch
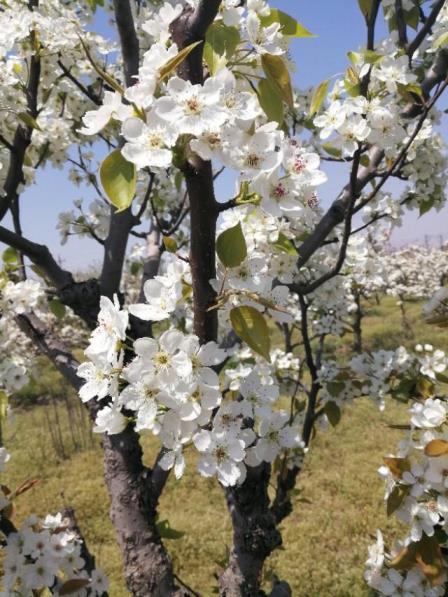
335 215
423 32
39 255
401 24
22 139
121 222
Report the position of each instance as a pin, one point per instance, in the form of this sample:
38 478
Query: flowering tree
191 88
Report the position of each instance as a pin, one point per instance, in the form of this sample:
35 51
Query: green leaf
278 75
366 7
73 585
442 378
371 57
426 205
333 151
319 96
354 57
221 43
396 498
231 246
119 180
170 244
270 101
412 17
172 64
57 308
10 256
250 325
167 532
285 245
365 160
102 73
135 268
289 26
333 413
411 92
29 120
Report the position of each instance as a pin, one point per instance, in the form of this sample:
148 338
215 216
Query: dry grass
340 502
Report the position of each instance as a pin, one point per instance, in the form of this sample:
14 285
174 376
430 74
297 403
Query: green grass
339 507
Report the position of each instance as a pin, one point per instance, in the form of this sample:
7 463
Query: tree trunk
148 567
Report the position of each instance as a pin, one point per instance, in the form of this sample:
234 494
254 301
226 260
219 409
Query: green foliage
250 325
231 246
170 244
277 74
319 95
57 308
220 45
285 245
289 25
333 412
270 101
119 180
175 62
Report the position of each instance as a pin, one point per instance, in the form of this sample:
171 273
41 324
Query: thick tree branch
50 347
128 39
39 255
121 222
401 24
190 27
255 535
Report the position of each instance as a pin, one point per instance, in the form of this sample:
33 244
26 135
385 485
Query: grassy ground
325 539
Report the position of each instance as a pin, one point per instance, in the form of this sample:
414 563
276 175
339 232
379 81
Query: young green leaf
10 256
270 101
285 245
278 75
366 7
172 64
119 180
73 585
333 413
224 40
250 325
289 26
57 308
170 244
231 246
29 120
318 98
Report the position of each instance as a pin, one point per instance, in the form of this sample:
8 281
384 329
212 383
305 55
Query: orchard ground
338 506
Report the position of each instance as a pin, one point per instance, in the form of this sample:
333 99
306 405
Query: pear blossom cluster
416 494
171 388
43 554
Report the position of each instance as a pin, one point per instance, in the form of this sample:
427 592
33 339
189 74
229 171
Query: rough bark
148 567
255 534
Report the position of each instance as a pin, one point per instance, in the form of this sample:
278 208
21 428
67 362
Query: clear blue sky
339 27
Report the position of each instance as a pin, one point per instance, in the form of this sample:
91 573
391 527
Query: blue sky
339 27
